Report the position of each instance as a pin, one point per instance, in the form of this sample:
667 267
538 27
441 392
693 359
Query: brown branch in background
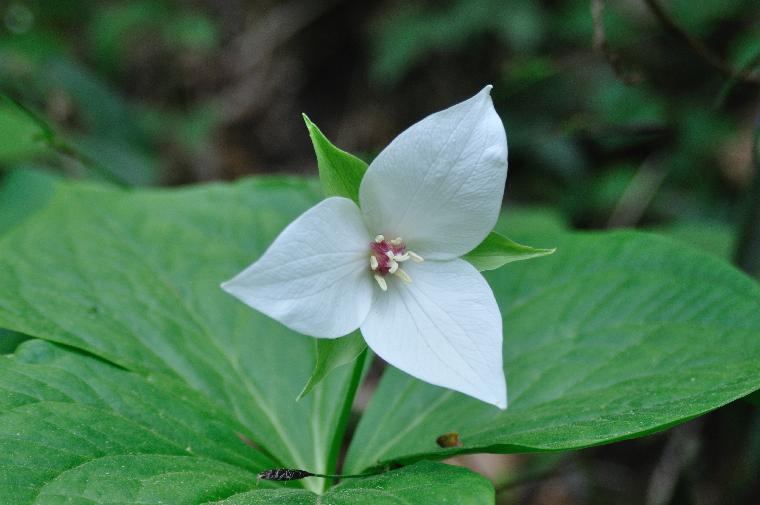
680 452
601 46
272 29
597 15
250 56
701 50
638 195
747 255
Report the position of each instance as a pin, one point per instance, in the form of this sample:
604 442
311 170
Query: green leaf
615 336
339 172
496 250
424 483
331 354
9 340
22 134
72 425
22 193
133 277
715 238
146 478
76 429
531 223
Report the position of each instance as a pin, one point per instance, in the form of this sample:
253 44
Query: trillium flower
392 266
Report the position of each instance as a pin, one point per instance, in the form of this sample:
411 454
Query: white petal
439 184
315 277
443 328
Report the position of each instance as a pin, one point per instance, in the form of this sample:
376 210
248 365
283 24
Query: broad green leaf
9 340
339 172
74 429
531 223
133 277
615 336
22 134
331 354
496 250
146 478
23 192
712 237
424 483
69 422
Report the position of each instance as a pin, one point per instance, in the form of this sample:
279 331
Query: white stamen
394 267
390 255
403 276
381 282
396 241
415 257
373 264
401 257
379 238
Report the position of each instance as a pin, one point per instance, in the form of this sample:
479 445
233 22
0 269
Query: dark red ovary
379 249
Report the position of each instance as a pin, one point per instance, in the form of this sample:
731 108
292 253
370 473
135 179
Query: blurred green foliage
150 91
137 89
138 92
67 59
577 132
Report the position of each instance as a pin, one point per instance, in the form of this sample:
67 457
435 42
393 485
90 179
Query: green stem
344 475
340 431
49 136
67 149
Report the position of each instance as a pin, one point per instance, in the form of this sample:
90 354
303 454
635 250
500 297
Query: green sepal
496 250
339 172
331 354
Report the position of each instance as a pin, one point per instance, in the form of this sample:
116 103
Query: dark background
637 113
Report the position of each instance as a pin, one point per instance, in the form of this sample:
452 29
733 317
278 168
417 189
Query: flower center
385 257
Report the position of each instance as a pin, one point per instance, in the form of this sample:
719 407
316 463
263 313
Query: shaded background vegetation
635 113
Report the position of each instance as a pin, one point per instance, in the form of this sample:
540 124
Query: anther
381 282
415 257
403 276
401 257
386 257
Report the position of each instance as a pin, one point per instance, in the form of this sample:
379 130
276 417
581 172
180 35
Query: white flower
434 193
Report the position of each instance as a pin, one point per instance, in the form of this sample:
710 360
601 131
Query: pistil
385 258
